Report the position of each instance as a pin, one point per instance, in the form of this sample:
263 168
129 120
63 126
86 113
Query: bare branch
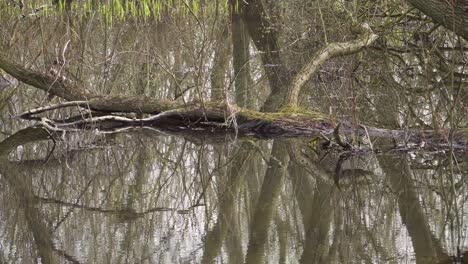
39 110
330 51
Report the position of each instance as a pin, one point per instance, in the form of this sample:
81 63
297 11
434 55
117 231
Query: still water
148 197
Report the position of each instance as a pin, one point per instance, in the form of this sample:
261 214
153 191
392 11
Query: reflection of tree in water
145 203
143 196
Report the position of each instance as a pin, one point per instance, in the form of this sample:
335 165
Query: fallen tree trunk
55 85
199 112
216 116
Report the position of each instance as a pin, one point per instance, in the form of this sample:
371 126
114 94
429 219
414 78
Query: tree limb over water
290 122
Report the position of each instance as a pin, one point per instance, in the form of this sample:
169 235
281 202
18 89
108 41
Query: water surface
147 197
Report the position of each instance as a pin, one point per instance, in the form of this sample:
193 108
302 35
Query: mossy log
194 113
288 122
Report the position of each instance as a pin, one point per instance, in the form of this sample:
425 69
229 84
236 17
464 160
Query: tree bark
220 65
265 38
241 58
321 56
211 115
107 103
453 15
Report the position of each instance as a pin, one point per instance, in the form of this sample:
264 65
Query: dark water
146 197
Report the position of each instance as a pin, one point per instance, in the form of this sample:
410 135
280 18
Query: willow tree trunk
452 14
265 37
241 58
220 65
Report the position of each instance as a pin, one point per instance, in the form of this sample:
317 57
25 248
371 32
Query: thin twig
39 110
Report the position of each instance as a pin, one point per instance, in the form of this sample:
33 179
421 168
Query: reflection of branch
31 134
306 163
343 176
124 213
267 202
64 254
77 201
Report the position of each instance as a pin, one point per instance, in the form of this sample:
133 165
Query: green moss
288 109
285 114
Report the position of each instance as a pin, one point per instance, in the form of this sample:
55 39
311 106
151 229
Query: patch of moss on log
286 122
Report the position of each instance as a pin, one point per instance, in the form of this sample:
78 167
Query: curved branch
330 51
